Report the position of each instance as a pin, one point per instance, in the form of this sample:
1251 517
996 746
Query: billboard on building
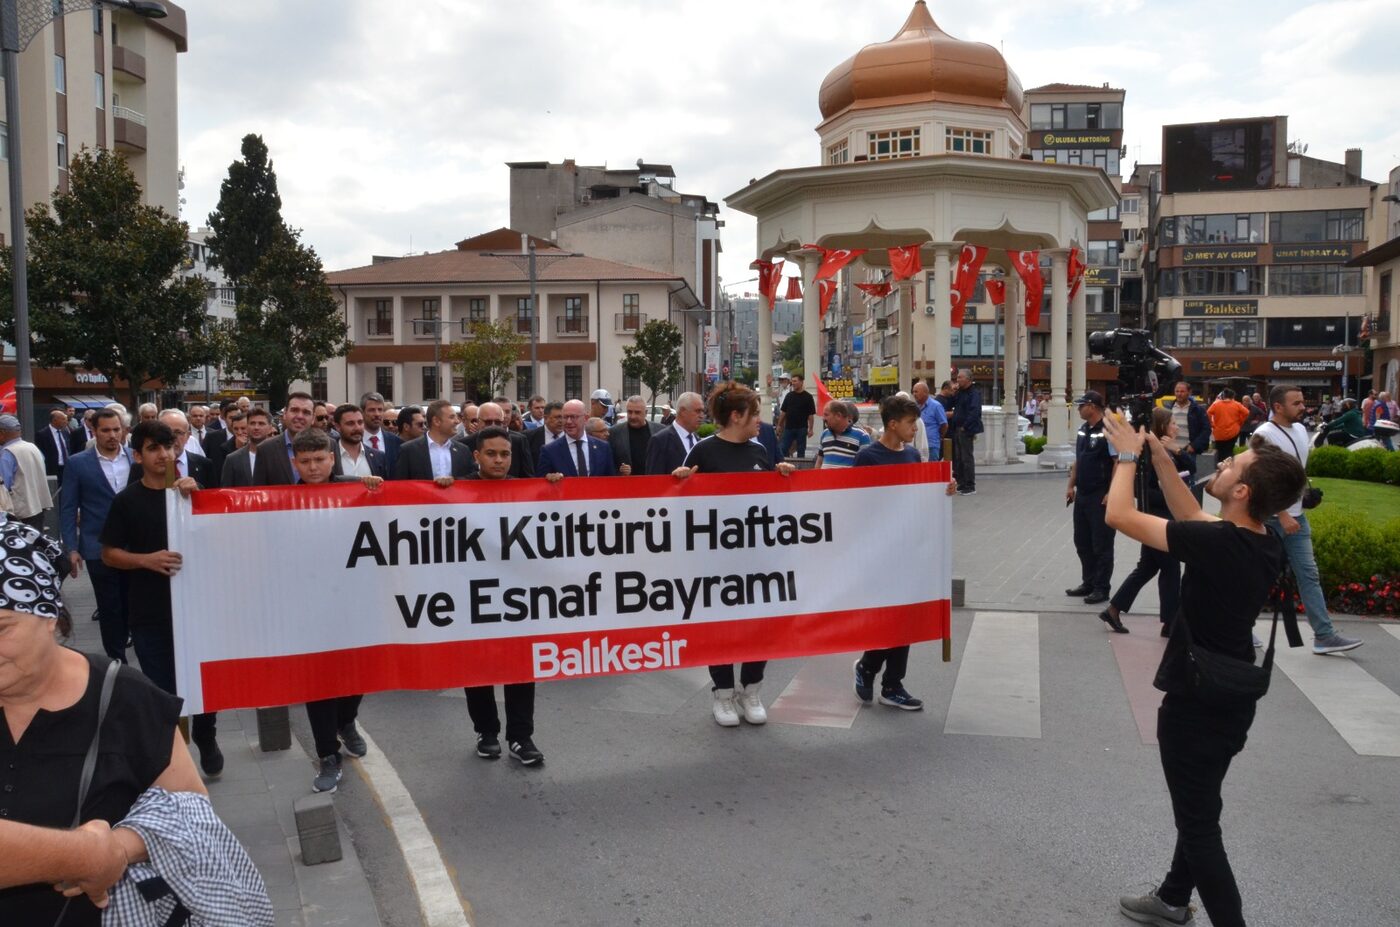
1211 156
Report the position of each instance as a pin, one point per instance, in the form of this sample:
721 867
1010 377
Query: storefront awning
84 402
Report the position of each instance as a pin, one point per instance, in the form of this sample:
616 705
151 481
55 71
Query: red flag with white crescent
794 290
1027 267
905 262
996 289
768 276
956 316
965 279
8 401
827 290
823 395
833 259
1076 271
877 290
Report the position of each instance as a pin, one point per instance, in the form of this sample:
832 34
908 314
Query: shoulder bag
1226 682
1312 496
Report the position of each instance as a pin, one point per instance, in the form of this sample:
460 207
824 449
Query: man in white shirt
442 429
198 417
354 456
187 463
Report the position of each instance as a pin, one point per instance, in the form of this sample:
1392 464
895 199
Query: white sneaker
750 704
726 715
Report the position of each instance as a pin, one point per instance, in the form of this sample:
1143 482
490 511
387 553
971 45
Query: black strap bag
1312 496
1224 681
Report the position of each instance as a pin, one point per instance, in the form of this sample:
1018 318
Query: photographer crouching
1231 564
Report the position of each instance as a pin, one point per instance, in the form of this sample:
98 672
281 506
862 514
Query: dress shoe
1081 589
1094 598
1107 618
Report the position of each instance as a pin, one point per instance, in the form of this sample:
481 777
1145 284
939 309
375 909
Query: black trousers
965 460
327 717
520 710
749 673
1167 569
1225 448
895 662
155 649
1093 540
109 586
1197 744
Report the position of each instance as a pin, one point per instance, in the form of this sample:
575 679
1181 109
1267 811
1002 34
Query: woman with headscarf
50 703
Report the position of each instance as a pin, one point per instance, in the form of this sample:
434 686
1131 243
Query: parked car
1023 424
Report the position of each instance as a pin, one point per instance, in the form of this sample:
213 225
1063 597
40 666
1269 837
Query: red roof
459 266
1073 88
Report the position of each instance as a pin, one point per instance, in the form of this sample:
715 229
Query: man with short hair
630 438
435 456
321 416
965 421
55 443
841 440
493 451
186 462
1089 478
198 416
240 464
602 406
534 418
356 460
412 423
551 429
796 419
273 465
471 418
576 454
147 412
95 476
22 470
1285 430
494 414
1227 418
378 437
219 443
946 396
669 447
934 417
1192 423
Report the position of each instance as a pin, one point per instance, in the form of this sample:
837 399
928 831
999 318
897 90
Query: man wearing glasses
491 415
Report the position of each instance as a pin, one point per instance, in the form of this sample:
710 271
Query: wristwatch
1127 457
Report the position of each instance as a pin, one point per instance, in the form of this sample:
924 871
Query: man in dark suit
95 476
353 457
551 430
56 444
768 437
435 456
187 463
492 415
219 444
273 466
630 438
377 437
239 464
668 449
576 454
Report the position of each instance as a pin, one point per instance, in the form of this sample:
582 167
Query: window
1104 253
1209 333
573 382
1221 228
631 386
1311 332
1130 204
1130 265
631 311
384 382
62 151
1314 280
1105 158
478 310
1040 344
1077 116
60 74
318 384
972 141
574 320
431 309
838 153
430 383
99 90
895 143
1383 304
524 383
1212 281
1040 116
1104 215
1318 225
524 315
382 323
973 340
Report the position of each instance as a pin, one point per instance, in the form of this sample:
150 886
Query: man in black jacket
631 437
668 448
240 464
435 456
492 414
551 430
187 463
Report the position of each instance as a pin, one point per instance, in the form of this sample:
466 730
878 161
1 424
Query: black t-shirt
136 523
1093 459
875 454
716 455
39 777
1229 571
638 439
797 409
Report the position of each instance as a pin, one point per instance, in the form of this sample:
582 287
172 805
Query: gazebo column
1079 346
1058 452
905 294
811 261
763 376
1012 360
942 312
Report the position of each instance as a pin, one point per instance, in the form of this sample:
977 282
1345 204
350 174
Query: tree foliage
248 219
486 359
103 286
655 358
790 353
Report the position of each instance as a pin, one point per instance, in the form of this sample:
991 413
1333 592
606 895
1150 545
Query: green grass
1374 502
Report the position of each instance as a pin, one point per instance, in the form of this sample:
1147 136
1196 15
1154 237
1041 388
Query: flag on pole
823 395
876 290
905 262
965 280
1027 267
1076 271
794 289
769 274
827 290
834 259
996 289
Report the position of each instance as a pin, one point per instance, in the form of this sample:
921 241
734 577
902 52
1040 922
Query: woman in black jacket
1152 562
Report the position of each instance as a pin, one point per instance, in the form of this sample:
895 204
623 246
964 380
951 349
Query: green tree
248 219
287 322
790 353
655 358
486 359
103 286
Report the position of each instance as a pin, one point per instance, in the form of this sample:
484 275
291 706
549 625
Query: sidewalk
254 798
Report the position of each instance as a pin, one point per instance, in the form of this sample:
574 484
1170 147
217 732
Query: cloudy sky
390 122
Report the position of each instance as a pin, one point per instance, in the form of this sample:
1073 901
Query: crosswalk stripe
655 693
1138 654
997 692
1361 709
820 695
1393 630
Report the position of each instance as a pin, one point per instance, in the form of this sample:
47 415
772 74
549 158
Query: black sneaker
968 492
1081 589
328 779
900 698
865 684
526 752
1094 598
488 746
211 758
354 743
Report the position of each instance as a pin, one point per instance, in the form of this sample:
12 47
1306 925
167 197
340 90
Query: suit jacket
235 471
557 457
768 437
217 446
202 470
378 463
522 462
620 441
273 467
44 441
87 494
392 445
666 452
413 462
534 443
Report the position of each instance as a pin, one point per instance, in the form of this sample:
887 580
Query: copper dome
921 64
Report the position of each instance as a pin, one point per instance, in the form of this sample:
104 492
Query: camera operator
1231 564
1088 484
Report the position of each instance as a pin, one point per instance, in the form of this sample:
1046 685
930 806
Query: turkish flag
835 259
996 289
826 289
768 276
823 396
1076 271
877 290
965 279
794 290
905 262
1027 267
8 401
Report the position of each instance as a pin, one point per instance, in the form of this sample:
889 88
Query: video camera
1143 369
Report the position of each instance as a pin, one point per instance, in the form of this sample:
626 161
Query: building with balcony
1380 332
401 311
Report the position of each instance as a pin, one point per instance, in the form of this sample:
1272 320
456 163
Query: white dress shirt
376 440
688 438
440 456
574 444
117 470
353 466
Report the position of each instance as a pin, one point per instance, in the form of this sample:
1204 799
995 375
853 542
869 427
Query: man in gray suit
238 465
630 438
274 463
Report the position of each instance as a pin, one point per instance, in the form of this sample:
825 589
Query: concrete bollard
959 591
274 729
317 830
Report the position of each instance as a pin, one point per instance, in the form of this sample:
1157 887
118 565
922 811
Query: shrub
1330 461
1369 464
1380 595
1034 444
705 430
1392 468
1351 550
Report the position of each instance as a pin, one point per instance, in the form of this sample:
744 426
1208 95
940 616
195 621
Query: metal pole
534 327
437 354
19 275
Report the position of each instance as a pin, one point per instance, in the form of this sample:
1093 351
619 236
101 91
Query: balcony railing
129 114
571 325
379 328
428 328
629 321
521 322
465 325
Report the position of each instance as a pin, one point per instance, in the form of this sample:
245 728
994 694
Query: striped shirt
840 450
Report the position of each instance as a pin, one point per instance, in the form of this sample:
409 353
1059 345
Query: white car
659 414
1023 424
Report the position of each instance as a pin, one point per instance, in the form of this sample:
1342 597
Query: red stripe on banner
261 682
424 492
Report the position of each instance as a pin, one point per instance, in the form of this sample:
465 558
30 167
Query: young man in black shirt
795 419
134 538
1231 564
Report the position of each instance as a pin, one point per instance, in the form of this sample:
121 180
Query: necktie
60 441
690 442
374 441
179 470
580 459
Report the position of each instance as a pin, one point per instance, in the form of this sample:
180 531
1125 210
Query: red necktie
179 471
374 441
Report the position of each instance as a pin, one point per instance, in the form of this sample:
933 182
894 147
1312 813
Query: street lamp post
20 22
530 261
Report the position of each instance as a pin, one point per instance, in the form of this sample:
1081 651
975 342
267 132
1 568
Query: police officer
1088 488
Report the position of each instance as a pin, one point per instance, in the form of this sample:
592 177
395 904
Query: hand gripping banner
294 593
